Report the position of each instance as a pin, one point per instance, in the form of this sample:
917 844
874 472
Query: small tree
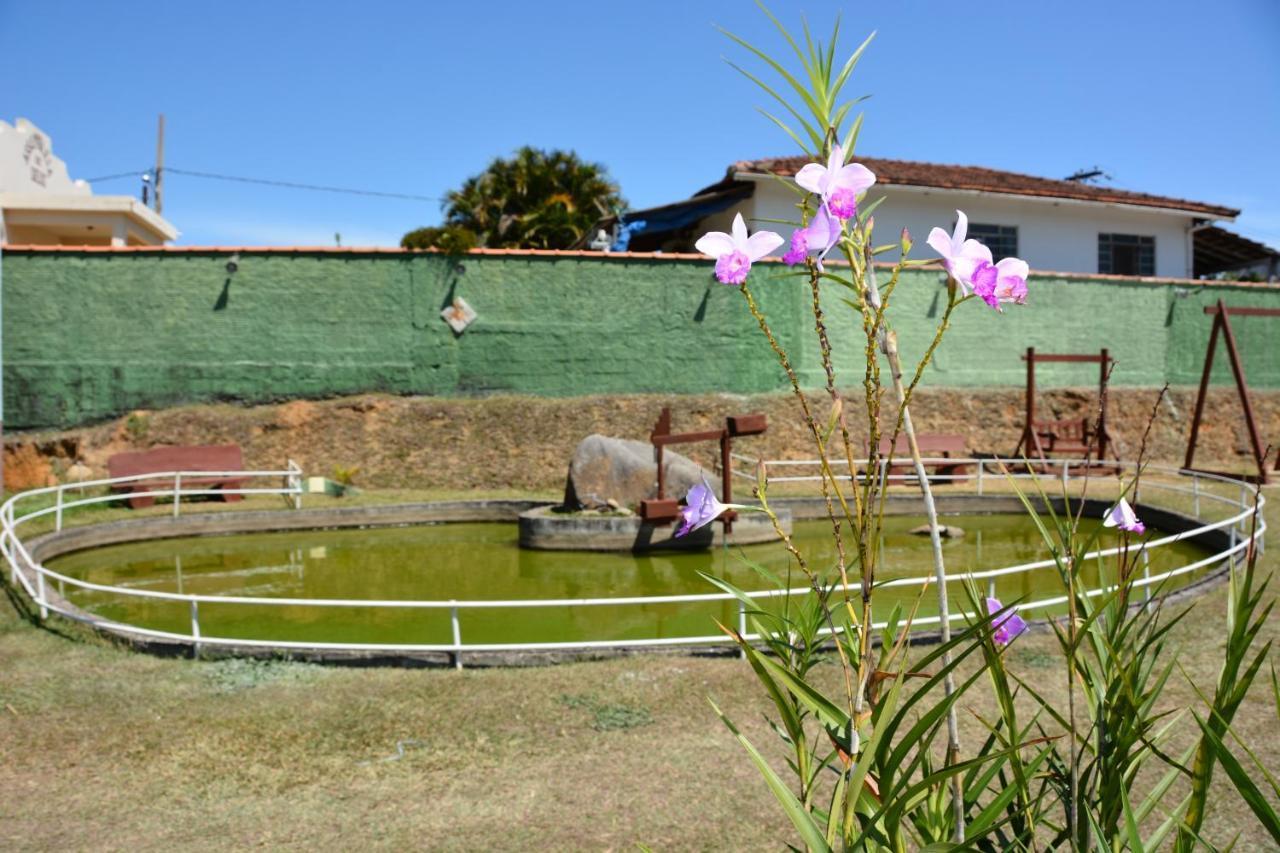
535 200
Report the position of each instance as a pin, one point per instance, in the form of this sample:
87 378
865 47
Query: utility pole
160 166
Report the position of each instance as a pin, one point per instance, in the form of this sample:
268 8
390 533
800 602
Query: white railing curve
33 578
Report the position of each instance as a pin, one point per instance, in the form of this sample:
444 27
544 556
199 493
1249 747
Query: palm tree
535 200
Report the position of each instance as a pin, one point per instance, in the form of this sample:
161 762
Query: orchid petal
835 159
824 230
810 177
855 177
739 233
1013 267
976 251
940 242
715 244
762 243
961 231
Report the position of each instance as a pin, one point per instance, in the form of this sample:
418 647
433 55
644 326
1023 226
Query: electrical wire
297 186
268 182
116 177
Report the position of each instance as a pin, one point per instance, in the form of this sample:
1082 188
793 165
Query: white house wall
1060 236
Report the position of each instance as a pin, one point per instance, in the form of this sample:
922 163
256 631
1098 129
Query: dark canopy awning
668 227
1218 250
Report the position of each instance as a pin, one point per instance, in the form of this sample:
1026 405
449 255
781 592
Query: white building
1055 225
40 204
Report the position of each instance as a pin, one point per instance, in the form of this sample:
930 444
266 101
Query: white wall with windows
1058 235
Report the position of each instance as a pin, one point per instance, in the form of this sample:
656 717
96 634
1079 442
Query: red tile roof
942 176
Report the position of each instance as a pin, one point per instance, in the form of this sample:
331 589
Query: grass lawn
104 748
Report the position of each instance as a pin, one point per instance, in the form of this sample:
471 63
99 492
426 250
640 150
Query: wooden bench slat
197 458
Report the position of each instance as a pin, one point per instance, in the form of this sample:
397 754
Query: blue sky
1176 98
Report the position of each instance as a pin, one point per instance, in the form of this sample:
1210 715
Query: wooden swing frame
1221 314
1030 443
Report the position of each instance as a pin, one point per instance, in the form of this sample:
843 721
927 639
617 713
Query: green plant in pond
876 762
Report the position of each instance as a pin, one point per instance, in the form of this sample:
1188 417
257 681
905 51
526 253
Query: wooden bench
935 445
212 458
1071 436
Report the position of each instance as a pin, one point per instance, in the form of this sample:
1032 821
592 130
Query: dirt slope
525 442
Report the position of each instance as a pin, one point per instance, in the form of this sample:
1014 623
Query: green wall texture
92 334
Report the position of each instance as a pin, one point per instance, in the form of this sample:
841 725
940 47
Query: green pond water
483 561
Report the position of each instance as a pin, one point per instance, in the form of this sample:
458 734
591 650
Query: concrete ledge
544 529
50 545
66 541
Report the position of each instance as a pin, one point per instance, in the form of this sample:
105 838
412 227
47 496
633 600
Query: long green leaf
1249 791
801 819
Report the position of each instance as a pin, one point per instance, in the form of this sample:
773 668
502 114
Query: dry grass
102 748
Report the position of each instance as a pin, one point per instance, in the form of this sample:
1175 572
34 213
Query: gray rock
608 471
947 531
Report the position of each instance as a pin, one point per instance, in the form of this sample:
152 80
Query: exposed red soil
525 442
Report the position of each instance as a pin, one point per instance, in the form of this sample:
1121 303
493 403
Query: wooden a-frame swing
1222 324
1042 439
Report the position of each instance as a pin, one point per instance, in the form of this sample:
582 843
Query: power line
267 182
115 177
297 186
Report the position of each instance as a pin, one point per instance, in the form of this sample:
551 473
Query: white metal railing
33 577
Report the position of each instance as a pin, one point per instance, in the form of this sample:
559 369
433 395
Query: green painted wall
93 334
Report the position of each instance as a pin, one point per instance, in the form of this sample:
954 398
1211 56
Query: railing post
57 512
980 470
991 588
1195 495
195 626
294 481
1065 465
457 638
742 628
44 610
177 493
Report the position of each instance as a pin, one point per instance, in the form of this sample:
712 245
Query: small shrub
137 426
345 476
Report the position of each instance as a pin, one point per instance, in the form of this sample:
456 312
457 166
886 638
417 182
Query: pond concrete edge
89 536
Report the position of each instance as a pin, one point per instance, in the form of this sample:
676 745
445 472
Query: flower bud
906 241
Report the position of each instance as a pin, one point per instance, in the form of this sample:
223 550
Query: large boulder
624 471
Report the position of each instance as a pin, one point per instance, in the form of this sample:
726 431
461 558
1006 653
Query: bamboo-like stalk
889 346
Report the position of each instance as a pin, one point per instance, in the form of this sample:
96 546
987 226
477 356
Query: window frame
1143 245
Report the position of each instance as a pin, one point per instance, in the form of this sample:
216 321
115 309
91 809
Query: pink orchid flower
820 235
701 508
960 256
1122 515
1004 282
839 184
1007 626
734 253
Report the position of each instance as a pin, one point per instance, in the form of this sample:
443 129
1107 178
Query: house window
1126 254
1002 240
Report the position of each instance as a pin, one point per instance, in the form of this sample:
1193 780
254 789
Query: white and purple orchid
701 508
971 265
1003 282
838 183
961 256
1122 515
822 232
1008 625
736 252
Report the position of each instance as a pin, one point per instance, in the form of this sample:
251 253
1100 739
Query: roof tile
979 178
